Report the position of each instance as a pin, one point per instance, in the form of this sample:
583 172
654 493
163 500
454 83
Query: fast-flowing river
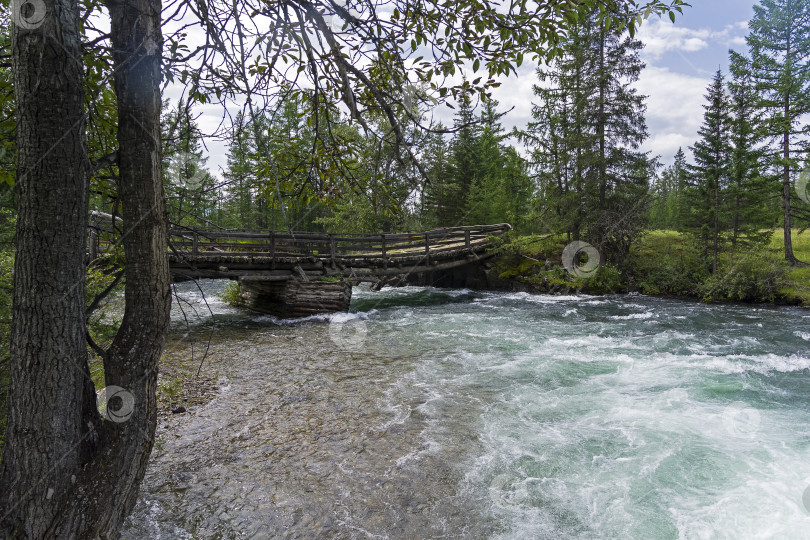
432 413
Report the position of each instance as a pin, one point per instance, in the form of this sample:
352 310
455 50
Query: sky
681 59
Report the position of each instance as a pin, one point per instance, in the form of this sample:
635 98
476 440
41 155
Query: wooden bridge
300 273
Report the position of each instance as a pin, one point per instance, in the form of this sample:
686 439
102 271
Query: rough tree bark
51 398
67 474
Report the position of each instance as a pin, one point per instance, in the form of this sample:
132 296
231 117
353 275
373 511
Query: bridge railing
200 242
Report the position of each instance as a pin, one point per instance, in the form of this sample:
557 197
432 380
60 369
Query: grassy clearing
662 264
799 290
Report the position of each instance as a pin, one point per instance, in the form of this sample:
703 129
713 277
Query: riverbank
661 264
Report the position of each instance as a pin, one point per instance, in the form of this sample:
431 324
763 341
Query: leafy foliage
755 278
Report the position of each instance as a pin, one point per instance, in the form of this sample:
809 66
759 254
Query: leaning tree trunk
66 474
110 482
52 418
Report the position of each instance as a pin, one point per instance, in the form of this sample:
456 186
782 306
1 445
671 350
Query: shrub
755 278
670 277
606 280
231 294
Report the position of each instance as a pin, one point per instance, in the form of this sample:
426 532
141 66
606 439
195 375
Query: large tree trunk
52 420
65 473
113 478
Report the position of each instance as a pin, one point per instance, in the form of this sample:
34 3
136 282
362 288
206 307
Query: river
429 413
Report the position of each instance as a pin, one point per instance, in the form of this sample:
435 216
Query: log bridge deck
300 273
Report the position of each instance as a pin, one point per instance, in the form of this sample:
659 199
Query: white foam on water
642 451
740 363
327 317
544 298
592 342
636 316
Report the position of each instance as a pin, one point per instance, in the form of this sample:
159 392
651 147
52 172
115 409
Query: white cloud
660 36
674 109
737 42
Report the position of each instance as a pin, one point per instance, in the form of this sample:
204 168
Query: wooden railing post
194 243
467 238
273 247
427 246
332 247
382 237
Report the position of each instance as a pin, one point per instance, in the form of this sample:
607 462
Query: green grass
799 291
662 264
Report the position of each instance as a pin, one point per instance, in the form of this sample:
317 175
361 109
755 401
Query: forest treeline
576 170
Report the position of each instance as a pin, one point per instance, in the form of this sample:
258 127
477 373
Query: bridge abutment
292 298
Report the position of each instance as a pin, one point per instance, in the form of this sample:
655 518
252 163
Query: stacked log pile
295 298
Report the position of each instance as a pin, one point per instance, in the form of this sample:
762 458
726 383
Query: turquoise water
427 413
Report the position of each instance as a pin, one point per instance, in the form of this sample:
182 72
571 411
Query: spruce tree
464 162
585 137
191 191
710 174
779 45
433 210
750 217
679 206
485 187
240 175
668 204
561 141
620 171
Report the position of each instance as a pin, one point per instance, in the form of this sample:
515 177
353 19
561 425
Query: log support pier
294 297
